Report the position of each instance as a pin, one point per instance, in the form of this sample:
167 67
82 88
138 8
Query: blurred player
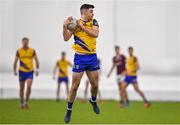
87 86
62 64
131 77
25 55
119 61
85 58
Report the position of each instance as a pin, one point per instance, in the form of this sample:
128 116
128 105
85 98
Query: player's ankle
93 99
69 106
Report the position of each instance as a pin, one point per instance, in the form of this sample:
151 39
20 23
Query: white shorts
120 78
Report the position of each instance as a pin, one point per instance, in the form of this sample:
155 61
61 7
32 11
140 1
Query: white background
151 26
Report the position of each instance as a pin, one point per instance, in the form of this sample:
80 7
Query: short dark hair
116 47
86 6
25 38
130 47
63 53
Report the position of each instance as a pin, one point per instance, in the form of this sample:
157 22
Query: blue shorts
87 62
23 76
130 79
63 79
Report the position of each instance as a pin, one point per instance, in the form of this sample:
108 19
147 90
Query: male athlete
119 61
25 55
62 64
131 77
85 58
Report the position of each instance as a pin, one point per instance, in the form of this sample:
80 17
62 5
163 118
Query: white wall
42 22
151 26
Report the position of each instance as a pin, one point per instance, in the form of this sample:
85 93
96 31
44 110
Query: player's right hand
67 21
15 73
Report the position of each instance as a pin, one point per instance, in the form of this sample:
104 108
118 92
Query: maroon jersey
120 63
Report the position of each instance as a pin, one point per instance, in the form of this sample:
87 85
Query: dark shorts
23 76
87 62
130 79
63 79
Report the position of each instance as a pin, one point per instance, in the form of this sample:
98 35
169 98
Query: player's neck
83 18
118 54
25 47
62 58
131 55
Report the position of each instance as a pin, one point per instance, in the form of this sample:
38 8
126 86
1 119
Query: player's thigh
29 82
93 76
22 84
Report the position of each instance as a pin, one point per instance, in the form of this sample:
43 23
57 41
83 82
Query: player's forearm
112 68
54 71
15 65
92 33
37 64
66 34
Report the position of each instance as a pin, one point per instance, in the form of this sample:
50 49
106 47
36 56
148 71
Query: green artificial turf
51 112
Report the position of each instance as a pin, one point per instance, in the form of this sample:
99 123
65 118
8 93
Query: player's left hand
67 21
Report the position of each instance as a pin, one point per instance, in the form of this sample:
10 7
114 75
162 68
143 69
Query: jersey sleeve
95 23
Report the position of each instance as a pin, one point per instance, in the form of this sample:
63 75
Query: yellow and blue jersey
26 59
63 67
84 43
132 66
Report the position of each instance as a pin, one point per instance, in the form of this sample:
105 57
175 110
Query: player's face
89 13
63 55
130 51
117 50
25 43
